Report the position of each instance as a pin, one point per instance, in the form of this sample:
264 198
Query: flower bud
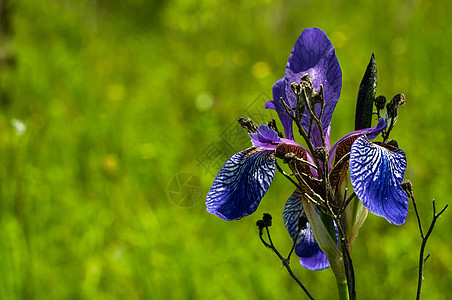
267 219
380 102
407 186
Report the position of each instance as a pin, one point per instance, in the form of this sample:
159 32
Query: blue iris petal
376 174
241 183
311 256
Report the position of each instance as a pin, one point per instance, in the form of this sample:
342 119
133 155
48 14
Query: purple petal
241 183
314 54
269 104
311 256
265 137
278 92
376 174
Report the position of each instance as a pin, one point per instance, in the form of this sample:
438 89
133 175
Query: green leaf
355 215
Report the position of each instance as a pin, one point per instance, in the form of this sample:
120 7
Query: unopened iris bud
366 96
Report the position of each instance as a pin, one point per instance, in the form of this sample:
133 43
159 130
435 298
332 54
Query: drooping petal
279 92
241 183
314 54
376 173
307 248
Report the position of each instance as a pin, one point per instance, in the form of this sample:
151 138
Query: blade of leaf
360 215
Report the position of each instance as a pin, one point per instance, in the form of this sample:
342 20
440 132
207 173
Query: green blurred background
115 117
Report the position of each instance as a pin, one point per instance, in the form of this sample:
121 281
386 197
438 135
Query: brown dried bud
320 153
407 186
295 88
272 125
393 106
306 82
289 157
267 220
380 102
260 224
248 124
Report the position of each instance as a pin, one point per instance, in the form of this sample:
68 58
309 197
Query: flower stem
348 264
342 289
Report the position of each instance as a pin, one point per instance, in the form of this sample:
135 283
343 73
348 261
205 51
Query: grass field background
109 103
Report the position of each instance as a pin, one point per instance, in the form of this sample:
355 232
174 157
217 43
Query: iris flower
376 169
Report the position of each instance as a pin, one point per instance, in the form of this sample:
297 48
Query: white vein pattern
376 174
241 183
311 256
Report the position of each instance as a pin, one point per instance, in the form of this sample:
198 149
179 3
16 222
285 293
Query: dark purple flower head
376 170
314 54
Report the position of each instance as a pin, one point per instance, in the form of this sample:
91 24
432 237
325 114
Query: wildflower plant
335 185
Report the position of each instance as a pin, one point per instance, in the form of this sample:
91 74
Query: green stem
342 290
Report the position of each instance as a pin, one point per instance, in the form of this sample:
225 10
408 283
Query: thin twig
425 237
306 162
285 261
294 243
300 188
302 133
417 216
287 176
322 102
344 206
314 116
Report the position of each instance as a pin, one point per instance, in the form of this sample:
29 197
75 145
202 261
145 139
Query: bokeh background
116 116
